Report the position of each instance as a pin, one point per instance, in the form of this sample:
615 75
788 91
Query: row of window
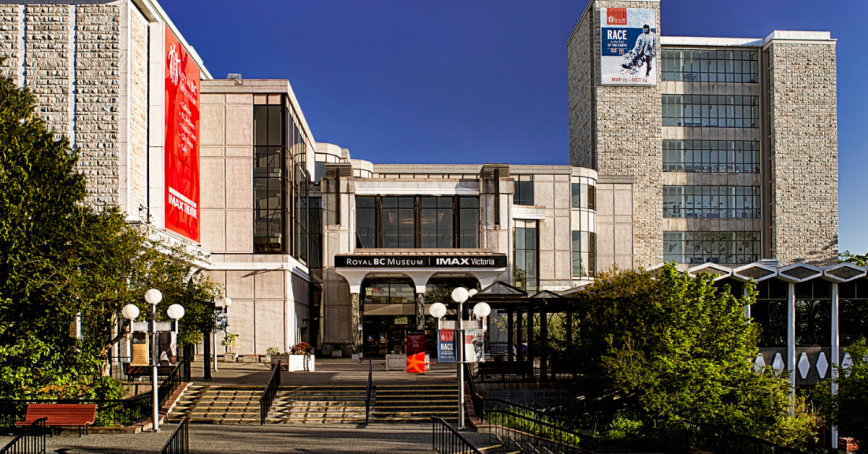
711 156
689 65
584 251
405 222
732 202
525 274
583 192
695 248
711 111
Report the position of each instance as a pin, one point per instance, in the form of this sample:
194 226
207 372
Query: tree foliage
680 347
856 259
62 260
847 408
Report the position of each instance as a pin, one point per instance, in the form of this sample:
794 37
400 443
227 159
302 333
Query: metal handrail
171 383
513 428
268 394
725 441
368 392
475 398
445 439
179 443
26 442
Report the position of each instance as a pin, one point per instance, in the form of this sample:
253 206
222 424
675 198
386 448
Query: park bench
81 415
502 368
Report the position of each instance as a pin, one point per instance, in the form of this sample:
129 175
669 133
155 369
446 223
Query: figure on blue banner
643 52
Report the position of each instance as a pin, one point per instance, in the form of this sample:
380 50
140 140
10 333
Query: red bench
61 415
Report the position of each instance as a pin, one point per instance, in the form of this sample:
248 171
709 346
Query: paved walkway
329 372
308 438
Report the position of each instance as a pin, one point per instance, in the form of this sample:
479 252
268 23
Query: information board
415 348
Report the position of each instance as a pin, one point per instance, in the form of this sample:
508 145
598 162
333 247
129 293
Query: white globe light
459 295
153 296
472 292
227 302
482 310
130 312
175 311
438 310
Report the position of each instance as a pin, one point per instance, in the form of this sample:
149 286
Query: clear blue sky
458 81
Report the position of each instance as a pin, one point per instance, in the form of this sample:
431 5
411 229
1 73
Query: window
584 254
711 156
711 111
731 202
399 222
523 190
770 312
584 195
388 291
366 222
525 266
813 313
852 311
436 222
468 222
315 233
695 248
725 65
268 174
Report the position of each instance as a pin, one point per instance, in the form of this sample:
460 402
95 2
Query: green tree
62 260
846 409
679 347
849 257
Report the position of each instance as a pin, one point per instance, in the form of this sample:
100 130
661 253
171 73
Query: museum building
711 152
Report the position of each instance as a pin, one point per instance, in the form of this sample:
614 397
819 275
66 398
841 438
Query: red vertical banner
415 352
182 139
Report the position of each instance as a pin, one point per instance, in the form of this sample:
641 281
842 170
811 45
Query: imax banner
422 261
628 46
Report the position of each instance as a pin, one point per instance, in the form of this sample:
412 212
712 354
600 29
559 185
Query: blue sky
477 81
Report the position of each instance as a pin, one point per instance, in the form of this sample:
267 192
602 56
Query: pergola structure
514 301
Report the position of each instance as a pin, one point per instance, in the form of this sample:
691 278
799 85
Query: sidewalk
329 372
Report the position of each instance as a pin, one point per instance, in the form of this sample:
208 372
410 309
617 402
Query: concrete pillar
420 311
510 337
836 347
791 341
356 309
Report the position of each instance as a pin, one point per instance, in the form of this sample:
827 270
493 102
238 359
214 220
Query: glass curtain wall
584 239
523 190
268 175
526 263
732 202
852 311
366 222
468 222
770 312
814 313
724 65
399 222
436 221
695 248
406 222
299 188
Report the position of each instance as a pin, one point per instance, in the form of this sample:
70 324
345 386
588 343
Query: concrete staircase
319 404
416 403
208 404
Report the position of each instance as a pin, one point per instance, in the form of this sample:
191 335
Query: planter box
337 354
265 359
302 363
250 359
357 356
230 357
284 361
396 362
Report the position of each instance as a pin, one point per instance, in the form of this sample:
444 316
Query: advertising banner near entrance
446 352
628 46
139 347
182 139
415 352
474 345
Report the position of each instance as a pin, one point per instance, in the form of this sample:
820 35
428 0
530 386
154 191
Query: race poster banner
182 139
446 352
628 46
416 352
474 346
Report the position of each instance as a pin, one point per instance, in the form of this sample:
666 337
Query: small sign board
139 347
415 352
446 352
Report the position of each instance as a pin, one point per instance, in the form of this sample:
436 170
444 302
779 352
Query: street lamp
460 295
223 304
438 310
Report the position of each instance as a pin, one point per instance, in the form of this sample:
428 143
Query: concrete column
356 309
791 341
510 336
836 347
420 311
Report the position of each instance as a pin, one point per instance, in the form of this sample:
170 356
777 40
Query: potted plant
301 357
269 353
230 341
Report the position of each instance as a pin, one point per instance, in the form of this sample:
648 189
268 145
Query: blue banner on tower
628 46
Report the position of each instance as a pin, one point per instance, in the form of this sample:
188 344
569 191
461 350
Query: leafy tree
62 260
849 257
678 347
846 409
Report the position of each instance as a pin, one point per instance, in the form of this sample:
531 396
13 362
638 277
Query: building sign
182 139
446 346
422 261
628 46
415 352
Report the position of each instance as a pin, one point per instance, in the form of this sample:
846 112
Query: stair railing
31 440
514 427
179 443
368 390
445 439
268 394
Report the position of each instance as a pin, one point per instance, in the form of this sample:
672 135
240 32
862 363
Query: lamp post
223 304
460 295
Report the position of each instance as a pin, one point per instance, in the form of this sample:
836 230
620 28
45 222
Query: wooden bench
81 415
523 368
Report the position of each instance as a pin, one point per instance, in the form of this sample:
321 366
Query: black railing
721 440
172 382
445 439
368 392
118 412
268 394
180 441
474 396
31 441
516 430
